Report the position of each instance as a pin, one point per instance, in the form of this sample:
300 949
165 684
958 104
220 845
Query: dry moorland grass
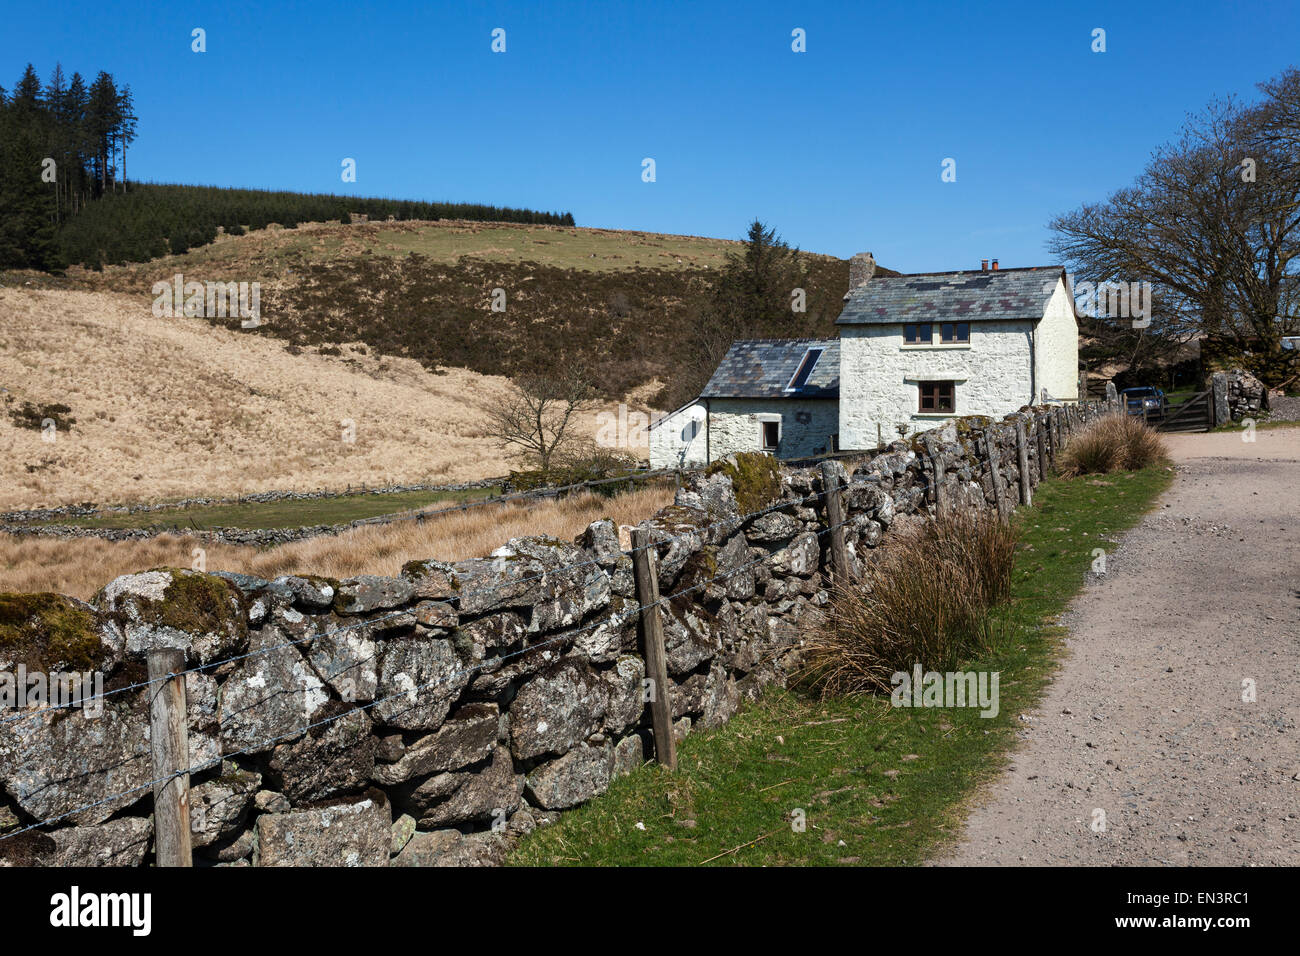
80 567
1113 443
172 408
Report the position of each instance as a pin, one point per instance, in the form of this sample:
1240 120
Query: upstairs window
954 333
917 333
937 397
805 369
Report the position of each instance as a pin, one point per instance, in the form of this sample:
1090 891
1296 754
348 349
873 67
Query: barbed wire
369 622
618 619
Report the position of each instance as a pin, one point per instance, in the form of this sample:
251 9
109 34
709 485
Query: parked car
1145 400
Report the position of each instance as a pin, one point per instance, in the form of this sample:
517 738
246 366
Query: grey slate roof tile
762 368
971 296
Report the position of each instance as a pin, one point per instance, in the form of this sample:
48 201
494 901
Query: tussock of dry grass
923 599
1113 443
81 567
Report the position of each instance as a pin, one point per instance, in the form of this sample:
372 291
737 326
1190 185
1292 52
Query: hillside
387 324
149 220
623 303
164 409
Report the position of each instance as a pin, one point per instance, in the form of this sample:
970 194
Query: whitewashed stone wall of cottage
678 441
1057 348
879 377
735 425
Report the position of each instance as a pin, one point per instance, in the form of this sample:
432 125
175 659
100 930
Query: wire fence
461 596
618 619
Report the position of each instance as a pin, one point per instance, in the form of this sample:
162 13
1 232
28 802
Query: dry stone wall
435 717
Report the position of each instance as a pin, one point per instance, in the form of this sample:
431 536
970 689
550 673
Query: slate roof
968 296
762 368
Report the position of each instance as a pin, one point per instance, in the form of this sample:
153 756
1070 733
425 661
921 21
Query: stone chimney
861 268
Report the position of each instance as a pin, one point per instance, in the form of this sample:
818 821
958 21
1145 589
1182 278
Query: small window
937 397
805 369
951 333
917 333
771 435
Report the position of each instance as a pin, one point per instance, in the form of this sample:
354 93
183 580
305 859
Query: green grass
877 785
1261 424
282 514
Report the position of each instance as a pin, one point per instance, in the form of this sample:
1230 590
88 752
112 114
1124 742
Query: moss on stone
48 632
755 479
198 603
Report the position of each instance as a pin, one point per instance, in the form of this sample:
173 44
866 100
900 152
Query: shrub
1113 443
585 464
924 599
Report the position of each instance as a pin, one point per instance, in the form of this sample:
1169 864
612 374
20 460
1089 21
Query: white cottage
774 395
917 349
913 350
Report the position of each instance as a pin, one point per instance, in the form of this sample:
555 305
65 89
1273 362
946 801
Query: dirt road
1145 721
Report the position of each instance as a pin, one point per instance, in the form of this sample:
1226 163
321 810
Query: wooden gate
1194 415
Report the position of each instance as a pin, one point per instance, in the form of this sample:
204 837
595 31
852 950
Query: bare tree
537 417
1213 221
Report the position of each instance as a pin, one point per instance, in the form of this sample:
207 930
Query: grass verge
1261 424
878 786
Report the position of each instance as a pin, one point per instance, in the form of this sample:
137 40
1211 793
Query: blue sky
839 147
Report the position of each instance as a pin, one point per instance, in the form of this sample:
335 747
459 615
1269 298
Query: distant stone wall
33 522
435 717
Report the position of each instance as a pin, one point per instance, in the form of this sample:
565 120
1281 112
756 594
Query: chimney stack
995 265
861 268
984 265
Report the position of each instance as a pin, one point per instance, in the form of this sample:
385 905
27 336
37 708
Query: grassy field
81 566
283 514
876 785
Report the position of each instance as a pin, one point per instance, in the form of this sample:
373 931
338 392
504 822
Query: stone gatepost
1219 385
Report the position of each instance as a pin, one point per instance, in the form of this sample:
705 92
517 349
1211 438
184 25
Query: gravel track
1145 719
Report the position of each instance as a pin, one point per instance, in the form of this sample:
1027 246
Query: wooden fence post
835 521
170 744
1040 437
1026 480
652 633
995 473
936 470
